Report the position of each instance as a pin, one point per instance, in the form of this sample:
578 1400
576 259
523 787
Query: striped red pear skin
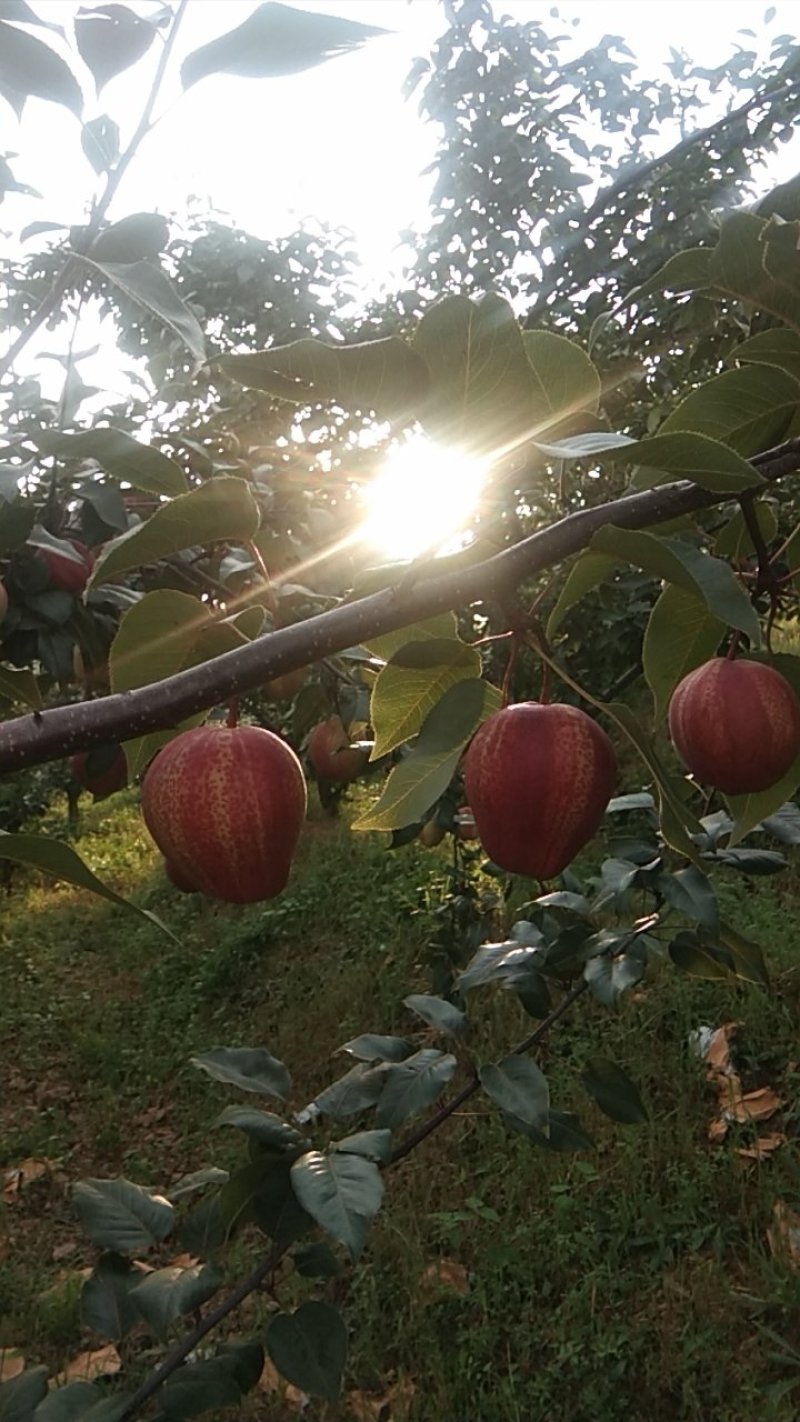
735 725
225 805
538 779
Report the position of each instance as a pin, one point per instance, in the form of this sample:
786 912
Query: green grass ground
501 1283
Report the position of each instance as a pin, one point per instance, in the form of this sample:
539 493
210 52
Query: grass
501 1282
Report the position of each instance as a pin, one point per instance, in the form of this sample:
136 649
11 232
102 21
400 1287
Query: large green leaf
412 1085
71 1403
139 237
614 1092
222 509
567 381
249 1068
735 541
120 455
31 68
587 572
412 684
777 347
443 625
341 1192
747 811
681 634
20 1396
110 38
689 891
106 1303
685 271
681 455
165 1295
759 273
274 40
149 287
519 1086
267 1131
54 857
483 395
309 1348
121 1216
678 821
679 562
385 376
748 409
443 1016
425 773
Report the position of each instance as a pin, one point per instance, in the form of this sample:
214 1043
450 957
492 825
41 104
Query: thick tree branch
34 739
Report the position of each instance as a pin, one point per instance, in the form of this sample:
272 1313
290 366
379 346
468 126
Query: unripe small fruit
286 687
736 725
431 834
538 779
331 753
102 771
225 805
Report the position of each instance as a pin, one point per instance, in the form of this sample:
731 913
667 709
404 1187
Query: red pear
225 805
538 779
68 574
331 753
101 771
736 725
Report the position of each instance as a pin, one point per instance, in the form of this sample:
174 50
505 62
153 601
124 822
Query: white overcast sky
337 142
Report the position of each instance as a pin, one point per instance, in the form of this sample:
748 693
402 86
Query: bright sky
337 142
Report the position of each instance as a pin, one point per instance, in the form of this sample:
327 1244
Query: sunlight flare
421 499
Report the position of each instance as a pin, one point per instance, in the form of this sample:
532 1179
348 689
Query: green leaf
587 572
385 376
375 1145
199 1387
678 821
263 1128
31 68
518 1086
412 684
744 266
533 994
16 522
705 461
358 1089
777 347
20 686
309 1348
249 1068
371 1047
444 1016
167 1294
71 1403
564 1131
106 1303
748 409
700 959
111 38
412 1085
567 381
483 391
21 1395
678 562
317 1261
121 1216
610 977
100 142
424 774
748 960
221 510
59 860
276 1209
342 1192
139 237
443 626
275 40
690 892
148 286
614 1092
508 962
685 271
734 540
121 456
748 811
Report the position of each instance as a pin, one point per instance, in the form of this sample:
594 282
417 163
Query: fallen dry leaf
763 1147
447 1274
298 1401
393 1405
23 1174
12 1363
270 1380
99 1363
757 1105
63 1251
718 1051
783 1234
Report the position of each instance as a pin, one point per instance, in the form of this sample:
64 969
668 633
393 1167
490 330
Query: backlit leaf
222 509
274 40
60 860
681 634
111 38
412 684
149 287
385 375
29 67
121 456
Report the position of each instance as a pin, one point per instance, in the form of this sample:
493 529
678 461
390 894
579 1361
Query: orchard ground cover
653 1275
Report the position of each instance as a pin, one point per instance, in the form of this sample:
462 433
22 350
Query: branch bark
49 735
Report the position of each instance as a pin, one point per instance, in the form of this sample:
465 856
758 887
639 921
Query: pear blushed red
538 779
735 725
225 805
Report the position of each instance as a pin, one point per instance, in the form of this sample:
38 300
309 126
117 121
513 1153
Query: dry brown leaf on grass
296 1400
12 1363
783 1235
756 1105
718 1051
24 1174
393 1405
63 1251
85 1367
445 1274
763 1147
